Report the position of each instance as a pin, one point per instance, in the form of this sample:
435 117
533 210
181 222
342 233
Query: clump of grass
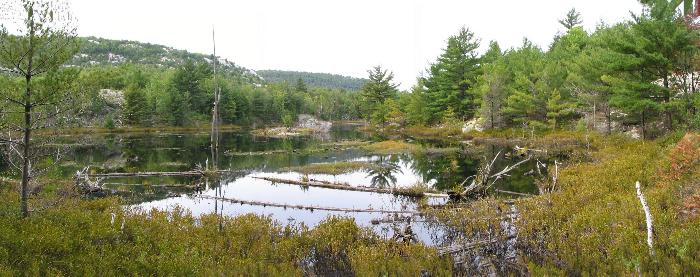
333 168
418 189
433 131
391 147
345 143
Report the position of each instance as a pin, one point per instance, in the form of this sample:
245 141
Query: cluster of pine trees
154 96
637 73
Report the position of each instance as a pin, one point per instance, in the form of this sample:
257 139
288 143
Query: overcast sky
343 36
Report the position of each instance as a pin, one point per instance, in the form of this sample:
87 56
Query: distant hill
100 51
313 79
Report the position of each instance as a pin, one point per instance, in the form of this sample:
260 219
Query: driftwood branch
309 208
647 213
484 180
194 173
328 185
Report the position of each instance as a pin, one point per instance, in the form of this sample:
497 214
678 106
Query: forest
129 158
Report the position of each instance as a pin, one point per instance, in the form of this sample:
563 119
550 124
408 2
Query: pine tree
378 89
301 86
572 19
136 107
454 75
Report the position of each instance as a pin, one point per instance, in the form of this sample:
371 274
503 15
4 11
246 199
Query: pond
249 157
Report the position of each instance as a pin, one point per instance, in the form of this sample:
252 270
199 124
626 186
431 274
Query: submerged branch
309 208
328 185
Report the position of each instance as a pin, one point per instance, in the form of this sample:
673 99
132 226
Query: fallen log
191 173
328 185
512 192
149 174
309 208
154 186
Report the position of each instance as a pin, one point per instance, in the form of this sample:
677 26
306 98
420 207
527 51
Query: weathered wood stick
155 186
329 185
192 173
513 192
309 208
148 174
647 213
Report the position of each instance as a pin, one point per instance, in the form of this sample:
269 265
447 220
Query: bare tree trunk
667 99
608 119
26 148
644 133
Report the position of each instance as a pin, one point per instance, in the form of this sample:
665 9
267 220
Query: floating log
149 174
154 186
328 185
309 208
192 173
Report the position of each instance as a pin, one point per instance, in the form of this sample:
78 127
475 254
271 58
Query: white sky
343 37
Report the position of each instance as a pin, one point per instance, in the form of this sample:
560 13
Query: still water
273 157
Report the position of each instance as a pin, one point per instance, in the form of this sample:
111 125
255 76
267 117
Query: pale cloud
343 37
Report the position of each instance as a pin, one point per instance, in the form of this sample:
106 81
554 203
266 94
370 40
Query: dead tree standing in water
36 38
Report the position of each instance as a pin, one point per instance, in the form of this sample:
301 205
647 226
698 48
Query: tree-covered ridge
324 80
100 51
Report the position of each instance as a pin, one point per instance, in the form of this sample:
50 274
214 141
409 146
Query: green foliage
378 89
109 123
572 19
137 109
595 223
317 80
452 77
79 238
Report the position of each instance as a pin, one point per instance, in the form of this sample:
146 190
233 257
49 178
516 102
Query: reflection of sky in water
177 152
251 189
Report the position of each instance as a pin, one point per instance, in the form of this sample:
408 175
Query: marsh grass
336 168
391 147
79 238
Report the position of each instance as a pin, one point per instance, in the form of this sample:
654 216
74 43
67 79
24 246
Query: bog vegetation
616 105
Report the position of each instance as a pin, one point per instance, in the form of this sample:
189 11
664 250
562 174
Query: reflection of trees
383 173
448 169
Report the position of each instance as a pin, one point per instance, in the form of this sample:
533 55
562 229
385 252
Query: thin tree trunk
26 148
608 118
667 99
644 133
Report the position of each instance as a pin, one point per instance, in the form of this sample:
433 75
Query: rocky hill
100 51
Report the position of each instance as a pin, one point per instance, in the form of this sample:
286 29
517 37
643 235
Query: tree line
183 96
639 73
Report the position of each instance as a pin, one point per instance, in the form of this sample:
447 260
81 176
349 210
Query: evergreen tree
454 75
647 54
572 19
301 86
189 79
416 111
136 108
379 88
177 106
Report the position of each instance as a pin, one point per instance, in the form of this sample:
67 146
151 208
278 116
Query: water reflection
384 172
241 152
